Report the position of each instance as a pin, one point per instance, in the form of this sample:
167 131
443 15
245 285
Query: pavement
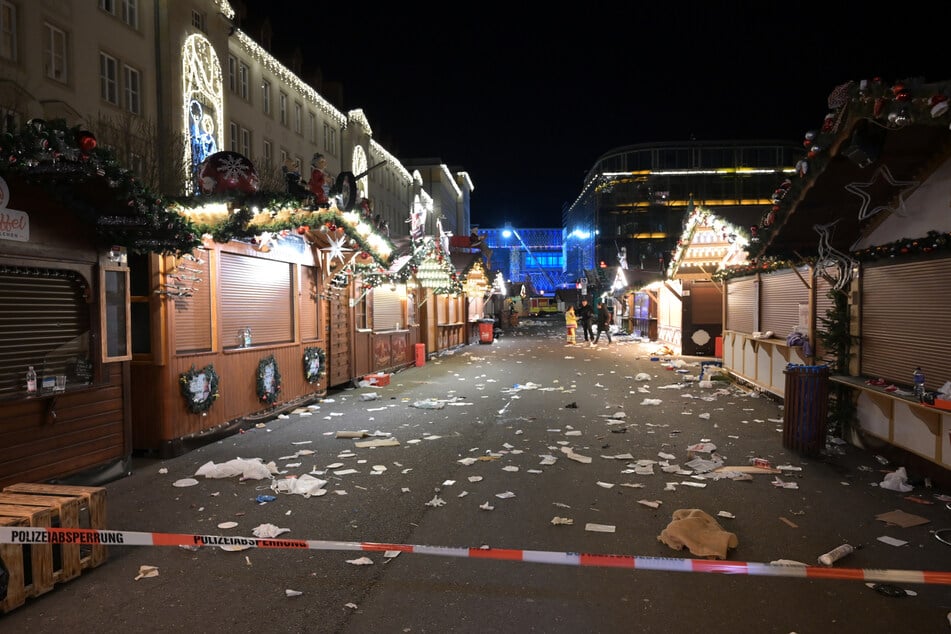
526 448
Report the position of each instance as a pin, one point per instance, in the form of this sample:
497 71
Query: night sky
526 101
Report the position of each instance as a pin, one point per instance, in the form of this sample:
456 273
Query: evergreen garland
268 391
312 355
837 341
199 403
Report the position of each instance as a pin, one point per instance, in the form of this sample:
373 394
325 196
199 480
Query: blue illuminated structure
533 255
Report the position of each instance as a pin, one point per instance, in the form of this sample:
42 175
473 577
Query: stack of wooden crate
34 569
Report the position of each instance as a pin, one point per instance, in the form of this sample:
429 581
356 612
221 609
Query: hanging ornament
87 141
225 172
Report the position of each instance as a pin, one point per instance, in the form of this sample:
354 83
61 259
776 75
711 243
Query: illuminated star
859 189
336 250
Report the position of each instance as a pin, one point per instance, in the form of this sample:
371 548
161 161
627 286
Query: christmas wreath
199 388
315 364
269 380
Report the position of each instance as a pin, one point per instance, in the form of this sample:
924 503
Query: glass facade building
636 198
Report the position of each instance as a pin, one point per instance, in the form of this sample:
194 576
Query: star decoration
860 190
336 250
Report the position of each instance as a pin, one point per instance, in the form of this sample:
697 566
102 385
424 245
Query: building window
130 13
133 90
313 127
282 107
54 53
243 81
8 30
137 164
109 6
268 155
330 140
109 78
232 74
284 156
233 136
266 97
198 20
298 116
246 142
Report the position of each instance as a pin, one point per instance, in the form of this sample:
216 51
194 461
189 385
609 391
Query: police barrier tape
42 535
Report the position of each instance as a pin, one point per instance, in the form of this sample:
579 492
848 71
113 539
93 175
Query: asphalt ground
487 468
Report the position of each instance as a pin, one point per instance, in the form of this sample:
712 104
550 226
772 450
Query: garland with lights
57 158
268 380
315 364
933 241
893 107
234 215
199 388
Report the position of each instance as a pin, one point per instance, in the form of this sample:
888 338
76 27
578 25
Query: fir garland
268 380
837 341
315 364
199 388
890 106
58 158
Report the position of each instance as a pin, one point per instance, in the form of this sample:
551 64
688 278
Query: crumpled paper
306 485
253 469
269 531
897 481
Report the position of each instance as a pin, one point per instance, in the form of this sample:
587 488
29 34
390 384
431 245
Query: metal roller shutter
741 304
906 318
193 314
781 293
44 322
308 304
255 294
387 309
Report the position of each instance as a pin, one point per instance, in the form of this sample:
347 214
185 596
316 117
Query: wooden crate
40 578
12 556
66 557
92 504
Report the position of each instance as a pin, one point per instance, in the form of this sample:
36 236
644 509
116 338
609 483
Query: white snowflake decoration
234 168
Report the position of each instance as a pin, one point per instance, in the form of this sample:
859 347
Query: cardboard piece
902 519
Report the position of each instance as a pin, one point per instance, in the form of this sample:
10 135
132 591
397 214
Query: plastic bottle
31 380
836 554
919 378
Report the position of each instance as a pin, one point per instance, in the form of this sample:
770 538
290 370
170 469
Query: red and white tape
42 535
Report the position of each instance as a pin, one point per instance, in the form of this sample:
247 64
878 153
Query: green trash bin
806 407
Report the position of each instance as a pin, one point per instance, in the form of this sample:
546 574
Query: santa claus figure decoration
227 172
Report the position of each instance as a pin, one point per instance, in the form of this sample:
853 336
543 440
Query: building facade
636 198
268 303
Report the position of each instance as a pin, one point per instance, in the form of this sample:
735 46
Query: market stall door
339 371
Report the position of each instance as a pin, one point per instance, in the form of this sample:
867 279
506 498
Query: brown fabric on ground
699 532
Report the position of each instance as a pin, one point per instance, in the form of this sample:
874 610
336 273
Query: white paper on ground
599 528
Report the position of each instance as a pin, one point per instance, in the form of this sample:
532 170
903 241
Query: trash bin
420 355
806 405
486 330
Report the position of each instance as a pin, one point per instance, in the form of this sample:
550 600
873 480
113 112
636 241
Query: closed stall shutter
387 309
308 304
781 293
741 304
193 314
906 318
44 322
256 294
